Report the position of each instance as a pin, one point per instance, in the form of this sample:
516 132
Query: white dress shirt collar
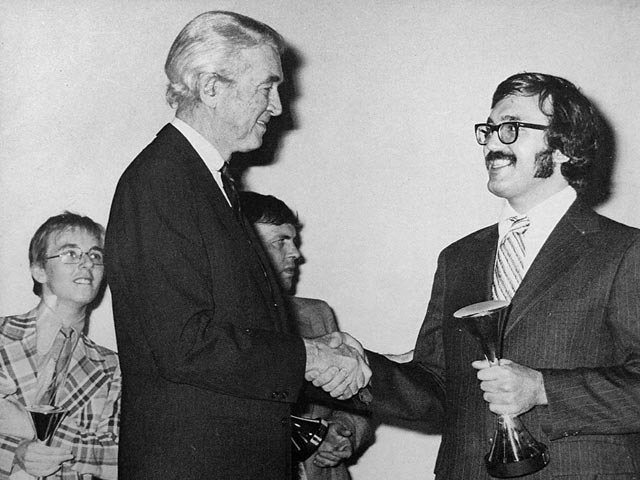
543 217
210 156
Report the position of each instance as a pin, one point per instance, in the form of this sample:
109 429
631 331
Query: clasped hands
510 388
336 362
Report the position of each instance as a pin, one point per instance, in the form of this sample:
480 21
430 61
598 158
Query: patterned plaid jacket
91 394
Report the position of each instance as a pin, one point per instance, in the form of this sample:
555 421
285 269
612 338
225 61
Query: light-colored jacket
91 394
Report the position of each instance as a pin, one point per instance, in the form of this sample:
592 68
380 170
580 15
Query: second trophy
514 452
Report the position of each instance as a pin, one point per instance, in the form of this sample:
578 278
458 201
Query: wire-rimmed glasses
73 255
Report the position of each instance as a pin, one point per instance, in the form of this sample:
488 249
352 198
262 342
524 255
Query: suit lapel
202 179
475 273
18 360
567 243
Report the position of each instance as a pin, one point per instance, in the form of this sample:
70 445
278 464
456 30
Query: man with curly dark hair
571 348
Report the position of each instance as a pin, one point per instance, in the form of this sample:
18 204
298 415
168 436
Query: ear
558 157
209 87
38 273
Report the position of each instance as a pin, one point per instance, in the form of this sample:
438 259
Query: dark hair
54 225
576 128
267 209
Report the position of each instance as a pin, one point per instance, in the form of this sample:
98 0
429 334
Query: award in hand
514 451
306 436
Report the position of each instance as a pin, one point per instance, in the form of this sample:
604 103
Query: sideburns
544 164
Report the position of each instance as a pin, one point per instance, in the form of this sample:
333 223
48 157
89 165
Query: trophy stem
514 452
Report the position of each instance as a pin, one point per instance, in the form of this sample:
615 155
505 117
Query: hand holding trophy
306 436
514 452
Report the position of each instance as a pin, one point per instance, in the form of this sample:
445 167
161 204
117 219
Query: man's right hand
38 460
336 363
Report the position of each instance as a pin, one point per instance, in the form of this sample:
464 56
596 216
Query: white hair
209 44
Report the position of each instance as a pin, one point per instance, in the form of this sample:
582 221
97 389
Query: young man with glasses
572 338
46 361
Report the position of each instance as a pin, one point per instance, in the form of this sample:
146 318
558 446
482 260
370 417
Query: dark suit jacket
315 318
575 317
209 360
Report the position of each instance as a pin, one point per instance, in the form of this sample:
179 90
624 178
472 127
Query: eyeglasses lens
508 132
74 256
482 134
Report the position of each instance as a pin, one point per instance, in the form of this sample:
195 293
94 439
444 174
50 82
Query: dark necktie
229 185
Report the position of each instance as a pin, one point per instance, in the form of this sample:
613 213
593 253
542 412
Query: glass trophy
46 419
306 436
514 451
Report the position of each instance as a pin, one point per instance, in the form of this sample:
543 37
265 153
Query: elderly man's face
280 243
245 105
522 172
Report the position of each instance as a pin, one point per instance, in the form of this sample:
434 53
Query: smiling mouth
83 281
495 160
499 163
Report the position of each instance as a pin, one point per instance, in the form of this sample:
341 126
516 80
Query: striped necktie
509 267
52 375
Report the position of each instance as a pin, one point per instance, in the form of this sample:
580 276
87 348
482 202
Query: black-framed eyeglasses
507 131
73 255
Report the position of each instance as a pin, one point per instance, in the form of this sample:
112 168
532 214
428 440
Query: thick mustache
491 156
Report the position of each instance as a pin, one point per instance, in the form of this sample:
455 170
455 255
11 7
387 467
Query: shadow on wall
278 126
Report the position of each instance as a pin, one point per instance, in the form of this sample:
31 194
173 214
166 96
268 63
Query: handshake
336 362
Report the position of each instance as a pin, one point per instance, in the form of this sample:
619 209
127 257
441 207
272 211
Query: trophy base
518 469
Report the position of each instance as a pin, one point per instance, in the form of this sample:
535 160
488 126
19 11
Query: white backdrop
380 162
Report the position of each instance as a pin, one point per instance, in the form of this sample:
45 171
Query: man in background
211 362
278 227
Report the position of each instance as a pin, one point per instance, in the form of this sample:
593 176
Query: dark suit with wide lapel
315 318
575 317
210 361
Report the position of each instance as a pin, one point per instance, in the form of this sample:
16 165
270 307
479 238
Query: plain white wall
382 164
